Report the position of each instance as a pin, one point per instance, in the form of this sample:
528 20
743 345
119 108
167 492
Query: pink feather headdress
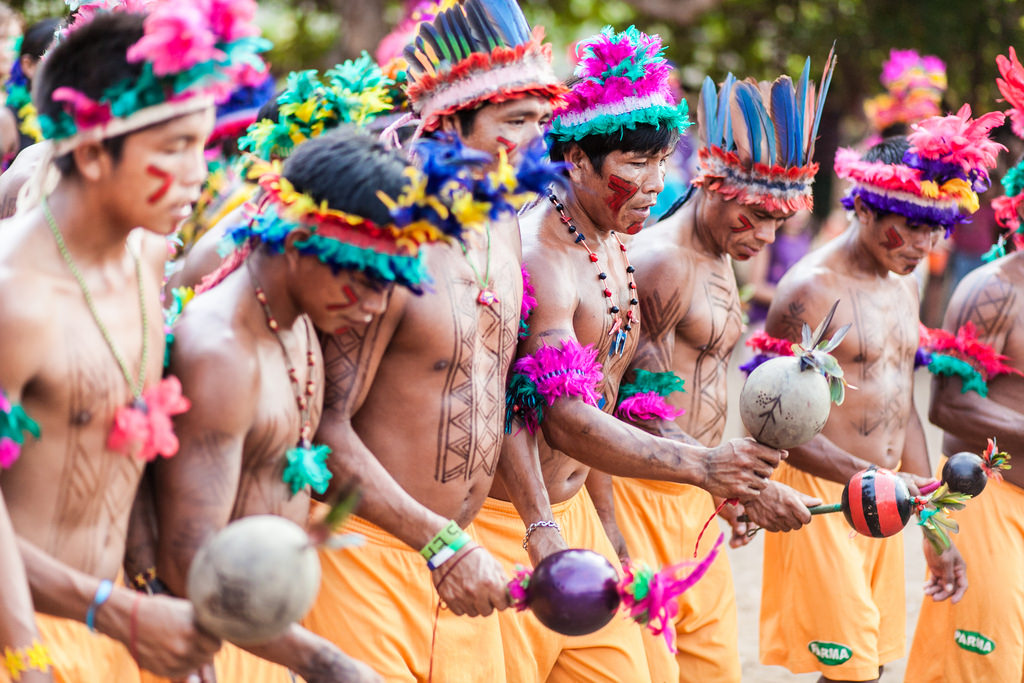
1007 208
623 81
914 87
940 176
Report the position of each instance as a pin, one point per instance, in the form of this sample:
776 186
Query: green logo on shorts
829 654
972 641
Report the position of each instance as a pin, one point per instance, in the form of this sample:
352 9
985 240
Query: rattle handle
928 488
825 509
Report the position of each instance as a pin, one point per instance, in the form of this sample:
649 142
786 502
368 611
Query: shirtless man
692 320
242 441
848 591
982 637
19 636
87 374
584 288
414 403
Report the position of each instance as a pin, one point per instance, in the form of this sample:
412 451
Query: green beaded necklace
135 385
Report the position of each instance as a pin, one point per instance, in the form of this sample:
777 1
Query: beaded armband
644 397
766 348
32 657
14 423
548 375
529 303
443 546
962 355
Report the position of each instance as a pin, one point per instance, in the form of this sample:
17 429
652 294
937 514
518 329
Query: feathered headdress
193 53
623 82
239 111
389 50
444 196
940 176
914 87
475 52
758 139
355 91
1007 207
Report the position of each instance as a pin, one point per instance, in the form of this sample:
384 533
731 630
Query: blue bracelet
103 592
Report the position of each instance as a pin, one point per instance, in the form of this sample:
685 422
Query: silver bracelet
536 525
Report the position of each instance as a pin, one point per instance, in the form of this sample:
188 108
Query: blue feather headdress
476 52
758 139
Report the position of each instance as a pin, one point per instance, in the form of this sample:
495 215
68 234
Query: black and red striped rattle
876 503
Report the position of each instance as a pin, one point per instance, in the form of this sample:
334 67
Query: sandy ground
746 561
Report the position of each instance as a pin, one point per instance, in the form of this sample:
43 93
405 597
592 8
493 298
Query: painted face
621 195
508 125
897 246
339 301
160 173
738 229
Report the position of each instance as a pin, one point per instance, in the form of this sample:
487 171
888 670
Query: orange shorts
80 656
377 603
232 663
981 638
534 653
831 600
660 522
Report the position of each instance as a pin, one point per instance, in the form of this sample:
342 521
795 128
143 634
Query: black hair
467 119
90 59
38 37
645 138
346 168
888 151
269 109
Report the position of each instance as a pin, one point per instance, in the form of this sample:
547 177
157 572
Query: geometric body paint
622 192
745 224
892 239
508 144
167 179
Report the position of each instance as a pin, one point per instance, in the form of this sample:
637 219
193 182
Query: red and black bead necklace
619 329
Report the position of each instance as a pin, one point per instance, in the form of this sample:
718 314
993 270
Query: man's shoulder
209 336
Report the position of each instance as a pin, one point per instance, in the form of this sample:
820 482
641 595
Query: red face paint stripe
167 179
509 145
855 499
350 295
892 239
889 522
745 225
622 192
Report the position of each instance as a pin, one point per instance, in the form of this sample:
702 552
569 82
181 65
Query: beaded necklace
619 329
306 463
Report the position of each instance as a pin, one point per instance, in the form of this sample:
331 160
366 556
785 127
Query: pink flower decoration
177 37
148 432
9 452
86 111
232 19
